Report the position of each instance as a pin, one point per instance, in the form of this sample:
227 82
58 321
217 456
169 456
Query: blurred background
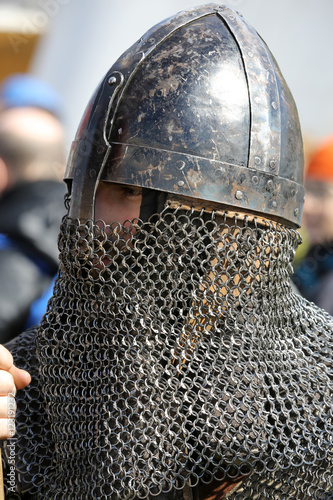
71 43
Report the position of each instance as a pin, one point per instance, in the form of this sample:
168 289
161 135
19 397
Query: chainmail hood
174 354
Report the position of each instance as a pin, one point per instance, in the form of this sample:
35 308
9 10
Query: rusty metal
200 108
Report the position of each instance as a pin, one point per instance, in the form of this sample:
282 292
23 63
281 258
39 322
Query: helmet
197 107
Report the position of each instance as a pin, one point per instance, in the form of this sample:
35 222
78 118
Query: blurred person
174 360
314 274
32 159
309 145
22 90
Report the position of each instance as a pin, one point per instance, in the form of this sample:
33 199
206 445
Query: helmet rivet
270 184
272 164
238 195
293 192
296 212
255 179
257 160
92 173
250 54
274 105
274 204
180 164
112 80
181 183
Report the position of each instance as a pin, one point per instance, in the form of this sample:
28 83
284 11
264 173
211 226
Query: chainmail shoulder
175 355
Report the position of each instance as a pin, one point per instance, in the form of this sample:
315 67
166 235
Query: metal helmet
197 107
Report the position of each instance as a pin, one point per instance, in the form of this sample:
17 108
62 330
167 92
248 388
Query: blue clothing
30 218
314 276
38 308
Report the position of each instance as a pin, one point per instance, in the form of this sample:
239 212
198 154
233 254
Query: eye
132 191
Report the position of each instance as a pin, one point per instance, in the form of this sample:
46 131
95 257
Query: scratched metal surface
197 107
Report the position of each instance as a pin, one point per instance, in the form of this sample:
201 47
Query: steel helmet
197 107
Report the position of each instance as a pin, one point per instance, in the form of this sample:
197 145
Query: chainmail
175 355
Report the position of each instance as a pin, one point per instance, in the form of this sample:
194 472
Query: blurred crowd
32 160
314 270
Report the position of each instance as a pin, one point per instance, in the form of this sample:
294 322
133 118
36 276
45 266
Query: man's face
318 211
117 202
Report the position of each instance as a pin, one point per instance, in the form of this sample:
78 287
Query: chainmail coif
175 352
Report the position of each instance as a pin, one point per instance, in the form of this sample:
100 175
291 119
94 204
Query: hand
11 380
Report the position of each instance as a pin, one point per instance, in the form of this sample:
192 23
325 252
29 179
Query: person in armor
174 360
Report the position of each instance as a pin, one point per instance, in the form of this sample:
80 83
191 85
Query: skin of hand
11 380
